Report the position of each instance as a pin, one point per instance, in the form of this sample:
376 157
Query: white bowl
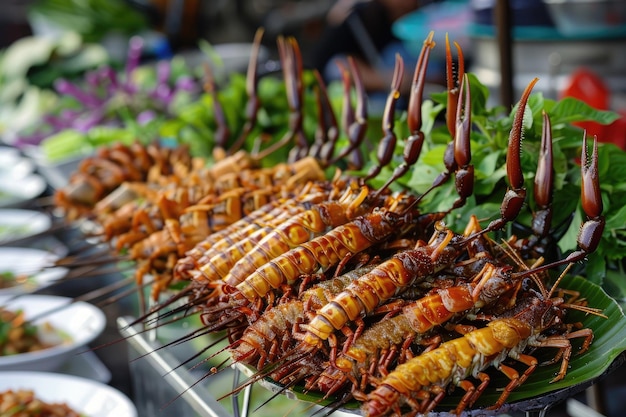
80 321
37 264
13 165
87 397
19 224
17 191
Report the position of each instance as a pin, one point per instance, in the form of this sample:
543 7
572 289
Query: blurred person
363 29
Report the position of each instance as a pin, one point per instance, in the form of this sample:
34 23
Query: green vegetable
489 139
93 19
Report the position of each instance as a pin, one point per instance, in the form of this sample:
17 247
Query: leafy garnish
489 138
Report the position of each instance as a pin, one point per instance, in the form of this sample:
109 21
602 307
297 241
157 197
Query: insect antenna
334 406
585 309
118 285
214 369
287 360
517 259
92 271
145 318
98 257
573 306
558 280
182 339
281 391
189 388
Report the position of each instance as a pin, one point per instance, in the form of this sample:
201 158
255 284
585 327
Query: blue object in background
448 17
523 12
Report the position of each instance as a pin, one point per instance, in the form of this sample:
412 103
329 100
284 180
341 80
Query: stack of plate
18 182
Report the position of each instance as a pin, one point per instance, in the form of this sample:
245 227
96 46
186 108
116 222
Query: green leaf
570 110
91 56
479 95
595 268
616 220
569 240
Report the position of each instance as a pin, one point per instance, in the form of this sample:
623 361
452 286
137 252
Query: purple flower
146 117
66 87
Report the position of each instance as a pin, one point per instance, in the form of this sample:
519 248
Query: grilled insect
385 281
298 230
423 381
100 174
272 213
383 341
324 251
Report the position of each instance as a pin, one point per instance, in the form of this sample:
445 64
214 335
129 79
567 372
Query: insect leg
516 379
516 193
544 183
387 143
253 104
327 131
590 233
453 86
414 142
354 121
222 133
464 173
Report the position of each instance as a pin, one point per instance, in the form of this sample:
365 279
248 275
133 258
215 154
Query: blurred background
506 43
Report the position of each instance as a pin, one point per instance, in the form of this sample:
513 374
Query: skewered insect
422 381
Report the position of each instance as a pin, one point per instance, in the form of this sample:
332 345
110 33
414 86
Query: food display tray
184 392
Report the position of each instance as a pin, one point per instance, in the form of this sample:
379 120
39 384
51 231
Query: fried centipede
423 381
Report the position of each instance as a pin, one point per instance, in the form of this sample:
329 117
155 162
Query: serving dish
92 399
18 191
78 322
606 353
18 224
30 268
13 165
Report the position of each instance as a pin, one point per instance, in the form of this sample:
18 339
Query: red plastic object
588 87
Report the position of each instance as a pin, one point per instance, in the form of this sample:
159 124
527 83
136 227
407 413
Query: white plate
12 165
18 224
35 263
81 321
16 191
87 397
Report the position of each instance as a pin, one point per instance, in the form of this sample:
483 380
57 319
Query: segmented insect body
386 280
219 312
384 341
319 294
220 257
239 193
423 381
368 355
223 260
276 332
217 262
272 212
300 229
324 251
191 261
99 175
270 336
